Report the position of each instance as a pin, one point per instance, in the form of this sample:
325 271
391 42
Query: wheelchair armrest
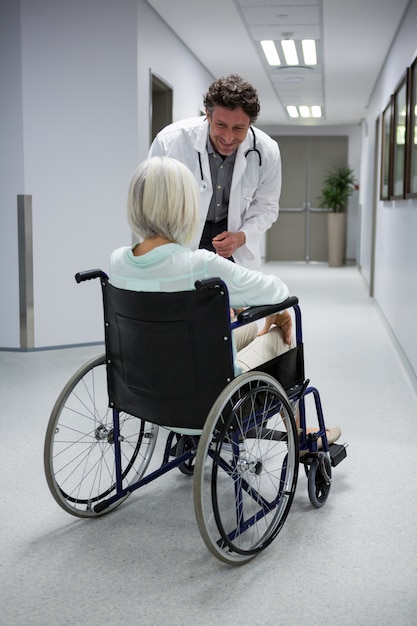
258 312
89 275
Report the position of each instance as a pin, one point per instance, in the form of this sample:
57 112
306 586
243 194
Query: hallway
350 563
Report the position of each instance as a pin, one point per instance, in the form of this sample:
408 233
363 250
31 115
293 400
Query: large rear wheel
79 457
246 468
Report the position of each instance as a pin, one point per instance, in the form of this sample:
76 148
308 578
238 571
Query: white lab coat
255 190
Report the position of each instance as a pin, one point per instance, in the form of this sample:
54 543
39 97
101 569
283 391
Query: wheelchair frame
244 460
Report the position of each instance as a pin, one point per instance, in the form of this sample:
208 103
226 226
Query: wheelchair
168 365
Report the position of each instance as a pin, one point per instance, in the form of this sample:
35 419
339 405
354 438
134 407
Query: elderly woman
163 214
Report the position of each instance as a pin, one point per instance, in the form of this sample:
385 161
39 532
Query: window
386 170
411 178
399 138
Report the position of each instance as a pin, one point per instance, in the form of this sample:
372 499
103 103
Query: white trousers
253 351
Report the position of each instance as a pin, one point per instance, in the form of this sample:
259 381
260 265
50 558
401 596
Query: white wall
395 289
74 125
11 168
160 51
79 126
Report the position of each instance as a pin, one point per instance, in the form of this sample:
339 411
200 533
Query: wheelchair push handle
89 275
209 283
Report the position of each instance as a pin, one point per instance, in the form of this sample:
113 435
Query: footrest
337 453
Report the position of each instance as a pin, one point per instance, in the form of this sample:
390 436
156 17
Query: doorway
300 233
160 104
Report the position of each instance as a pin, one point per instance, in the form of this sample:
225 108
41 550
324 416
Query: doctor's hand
226 243
283 321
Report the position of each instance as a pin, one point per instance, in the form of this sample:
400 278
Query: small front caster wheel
186 443
319 480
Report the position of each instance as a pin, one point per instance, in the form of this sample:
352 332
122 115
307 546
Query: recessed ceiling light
270 52
292 111
304 111
290 52
309 51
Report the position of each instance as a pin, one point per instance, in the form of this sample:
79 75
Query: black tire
319 480
79 457
184 444
246 468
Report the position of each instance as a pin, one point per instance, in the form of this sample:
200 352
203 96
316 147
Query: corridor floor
352 562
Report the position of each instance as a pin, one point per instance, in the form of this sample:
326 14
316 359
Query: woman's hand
283 321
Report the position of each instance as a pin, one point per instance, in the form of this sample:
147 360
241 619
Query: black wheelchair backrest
168 354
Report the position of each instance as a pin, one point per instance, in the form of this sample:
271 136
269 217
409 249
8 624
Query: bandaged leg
262 349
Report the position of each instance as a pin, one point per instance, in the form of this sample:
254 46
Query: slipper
333 433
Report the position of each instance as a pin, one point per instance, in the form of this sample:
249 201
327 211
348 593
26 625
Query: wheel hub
102 432
253 467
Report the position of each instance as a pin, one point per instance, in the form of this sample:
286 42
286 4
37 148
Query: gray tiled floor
352 562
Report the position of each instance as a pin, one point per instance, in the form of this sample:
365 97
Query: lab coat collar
202 135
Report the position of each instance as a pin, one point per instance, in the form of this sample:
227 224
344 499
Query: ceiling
353 38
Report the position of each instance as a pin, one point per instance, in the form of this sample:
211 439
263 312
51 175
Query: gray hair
163 201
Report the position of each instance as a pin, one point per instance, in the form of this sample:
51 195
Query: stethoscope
203 184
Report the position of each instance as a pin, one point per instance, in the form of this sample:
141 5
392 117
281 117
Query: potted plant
338 186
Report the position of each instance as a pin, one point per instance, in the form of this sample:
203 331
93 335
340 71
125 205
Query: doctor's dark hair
163 201
231 92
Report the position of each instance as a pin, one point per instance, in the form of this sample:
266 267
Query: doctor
237 167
